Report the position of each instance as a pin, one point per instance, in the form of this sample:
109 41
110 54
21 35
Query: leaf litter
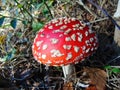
23 72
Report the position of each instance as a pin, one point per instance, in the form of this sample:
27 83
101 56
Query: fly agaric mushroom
64 42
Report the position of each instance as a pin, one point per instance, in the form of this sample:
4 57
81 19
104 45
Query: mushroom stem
117 32
69 70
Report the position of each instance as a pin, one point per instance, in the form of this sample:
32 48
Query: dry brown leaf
68 86
97 78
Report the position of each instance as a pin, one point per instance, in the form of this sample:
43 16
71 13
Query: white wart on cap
63 41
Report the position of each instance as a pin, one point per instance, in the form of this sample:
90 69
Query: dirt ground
24 73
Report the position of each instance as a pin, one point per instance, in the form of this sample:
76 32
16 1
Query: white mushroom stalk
69 71
117 32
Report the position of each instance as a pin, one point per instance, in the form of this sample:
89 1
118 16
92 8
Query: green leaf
25 22
39 6
37 26
107 67
115 70
112 69
1 20
20 5
13 23
45 11
50 2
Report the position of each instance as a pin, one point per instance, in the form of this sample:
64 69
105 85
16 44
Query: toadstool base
69 71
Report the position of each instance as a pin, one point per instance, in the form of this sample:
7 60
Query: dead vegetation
19 69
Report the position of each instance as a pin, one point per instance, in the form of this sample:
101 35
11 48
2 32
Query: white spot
87 50
56 53
49 62
74 29
42 35
61 61
94 44
38 43
95 48
48 36
57 31
67 39
44 47
43 56
80 39
91 39
32 46
76 49
90 31
78 33
50 27
78 57
81 28
39 54
92 49
83 48
60 35
73 19
35 52
41 30
95 37
66 20
39 48
73 37
83 24
36 58
67 31
76 62
76 25
54 40
73 26
54 21
87 42
68 47
69 56
63 27
60 23
86 33
57 62
56 24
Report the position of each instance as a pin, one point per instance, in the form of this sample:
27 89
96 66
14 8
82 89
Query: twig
114 79
105 12
86 8
98 20
115 85
113 60
48 9
115 66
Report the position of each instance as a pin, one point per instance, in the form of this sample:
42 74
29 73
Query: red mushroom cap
63 41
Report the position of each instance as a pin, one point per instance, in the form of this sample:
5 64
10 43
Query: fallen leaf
95 77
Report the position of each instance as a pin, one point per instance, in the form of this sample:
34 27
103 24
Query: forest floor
22 72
